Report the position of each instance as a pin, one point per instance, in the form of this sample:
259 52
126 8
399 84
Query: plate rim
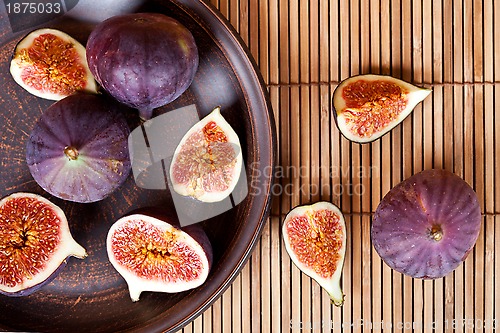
256 94
245 59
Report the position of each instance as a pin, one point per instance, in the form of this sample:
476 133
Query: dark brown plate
90 295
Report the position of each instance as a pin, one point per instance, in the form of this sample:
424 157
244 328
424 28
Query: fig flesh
368 106
78 149
50 64
154 254
144 60
208 160
315 239
426 225
35 243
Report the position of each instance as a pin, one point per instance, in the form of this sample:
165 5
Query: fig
152 253
426 225
144 60
78 149
50 64
207 162
368 106
315 238
35 243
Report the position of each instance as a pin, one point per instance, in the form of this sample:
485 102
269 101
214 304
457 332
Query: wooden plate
90 295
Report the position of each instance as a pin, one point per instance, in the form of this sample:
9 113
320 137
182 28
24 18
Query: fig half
426 225
208 160
368 106
154 254
78 149
315 238
35 243
49 63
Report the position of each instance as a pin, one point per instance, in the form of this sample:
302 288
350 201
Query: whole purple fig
426 226
78 149
144 60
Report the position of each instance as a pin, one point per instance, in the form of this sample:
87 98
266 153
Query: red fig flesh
155 255
50 64
34 243
207 162
315 239
368 106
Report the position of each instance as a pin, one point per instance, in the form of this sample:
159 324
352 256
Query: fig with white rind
315 238
368 106
208 160
50 64
155 255
34 244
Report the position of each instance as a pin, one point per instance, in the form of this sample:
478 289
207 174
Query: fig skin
426 225
411 94
163 221
78 149
37 287
48 250
64 75
144 60
319 256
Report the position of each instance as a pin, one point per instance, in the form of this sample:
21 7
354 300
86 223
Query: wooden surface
304 48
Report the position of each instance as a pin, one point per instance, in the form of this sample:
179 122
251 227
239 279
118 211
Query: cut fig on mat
315 238
207 162
50 64
368 106
154 254
35 242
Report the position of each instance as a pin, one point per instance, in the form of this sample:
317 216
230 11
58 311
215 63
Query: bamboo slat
304 48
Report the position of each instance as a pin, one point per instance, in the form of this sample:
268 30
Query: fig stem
337 297
335 292
436 233
146 114
71 152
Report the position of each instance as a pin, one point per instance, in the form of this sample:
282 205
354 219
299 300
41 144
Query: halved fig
426 225
315 238
35 243
368 106
154 254
49 63
207 162
78 149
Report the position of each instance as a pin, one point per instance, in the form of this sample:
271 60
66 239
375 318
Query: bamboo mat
304 48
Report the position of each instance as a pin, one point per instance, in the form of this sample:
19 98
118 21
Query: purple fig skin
426 225
35 288
98 131
144 60
201 237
